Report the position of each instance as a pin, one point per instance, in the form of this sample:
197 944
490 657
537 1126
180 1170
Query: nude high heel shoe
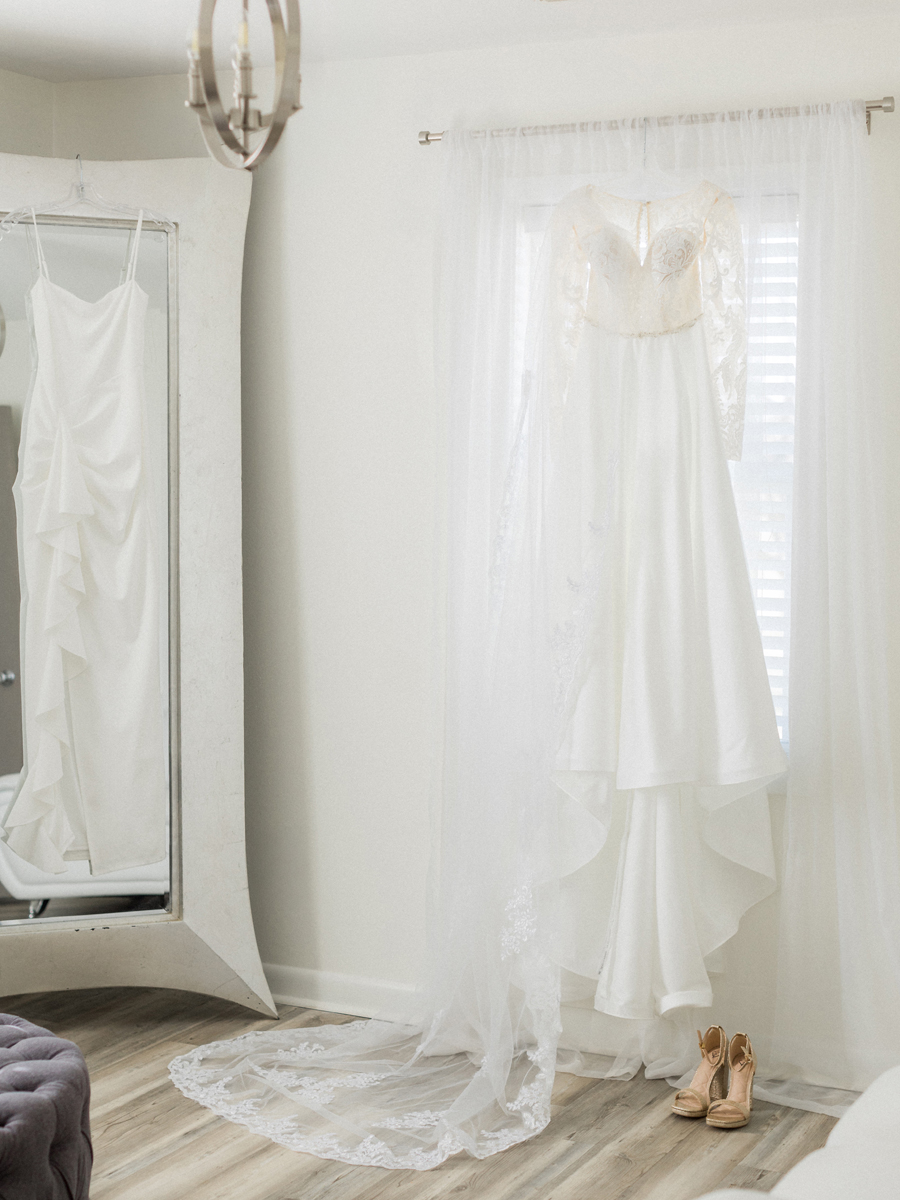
734 1111
710 1078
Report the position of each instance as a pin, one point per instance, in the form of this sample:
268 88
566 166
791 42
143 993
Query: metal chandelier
243 136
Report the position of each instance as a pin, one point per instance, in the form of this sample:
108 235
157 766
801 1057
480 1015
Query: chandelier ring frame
215 123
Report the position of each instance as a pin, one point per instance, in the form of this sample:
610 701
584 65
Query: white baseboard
331 992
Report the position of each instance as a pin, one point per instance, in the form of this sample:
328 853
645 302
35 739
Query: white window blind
762 480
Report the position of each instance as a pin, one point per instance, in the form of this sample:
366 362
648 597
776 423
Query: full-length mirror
122 796
87 402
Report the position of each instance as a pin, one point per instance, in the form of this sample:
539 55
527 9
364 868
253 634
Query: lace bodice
647 268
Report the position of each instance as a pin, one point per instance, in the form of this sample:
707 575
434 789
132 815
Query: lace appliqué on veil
227 1095
521 922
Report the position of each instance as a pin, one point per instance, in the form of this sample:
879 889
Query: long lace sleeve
559 302
724 308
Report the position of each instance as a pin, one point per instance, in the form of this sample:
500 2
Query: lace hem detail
214 1088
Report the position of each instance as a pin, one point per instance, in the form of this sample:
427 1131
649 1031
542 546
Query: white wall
125 118
27 107
341 428
103 119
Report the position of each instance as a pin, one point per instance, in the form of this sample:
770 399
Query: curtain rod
886 104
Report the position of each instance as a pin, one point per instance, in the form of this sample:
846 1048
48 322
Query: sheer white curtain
830 1018
473 1067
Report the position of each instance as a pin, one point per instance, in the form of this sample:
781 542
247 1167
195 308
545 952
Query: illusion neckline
622 233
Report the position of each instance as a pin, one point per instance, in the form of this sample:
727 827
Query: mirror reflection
84 577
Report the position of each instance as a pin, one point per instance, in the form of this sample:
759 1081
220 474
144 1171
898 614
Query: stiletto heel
734 1111
710 1078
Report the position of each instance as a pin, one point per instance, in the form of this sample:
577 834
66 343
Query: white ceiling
101 39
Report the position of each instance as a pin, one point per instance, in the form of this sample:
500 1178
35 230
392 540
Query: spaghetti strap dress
94 781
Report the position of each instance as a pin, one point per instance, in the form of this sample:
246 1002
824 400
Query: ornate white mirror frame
206 943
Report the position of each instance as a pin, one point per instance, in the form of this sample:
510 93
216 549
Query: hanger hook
646 122
80 176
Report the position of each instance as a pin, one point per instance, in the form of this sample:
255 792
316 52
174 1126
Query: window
762 480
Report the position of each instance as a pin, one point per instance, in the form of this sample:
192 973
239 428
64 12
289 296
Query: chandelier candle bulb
244 119
195 85
243 74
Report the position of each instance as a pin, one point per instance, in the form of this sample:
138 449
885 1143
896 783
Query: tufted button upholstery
45 1133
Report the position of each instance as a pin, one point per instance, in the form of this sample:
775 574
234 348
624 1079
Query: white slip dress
94 781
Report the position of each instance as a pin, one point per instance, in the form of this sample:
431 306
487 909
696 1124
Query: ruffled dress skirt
669 737
94 783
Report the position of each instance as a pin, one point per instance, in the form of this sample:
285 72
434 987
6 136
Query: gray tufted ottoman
45 1133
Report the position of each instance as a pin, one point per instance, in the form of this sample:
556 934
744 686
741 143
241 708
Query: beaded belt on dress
656 333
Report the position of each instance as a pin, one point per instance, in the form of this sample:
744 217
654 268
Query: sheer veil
472 1066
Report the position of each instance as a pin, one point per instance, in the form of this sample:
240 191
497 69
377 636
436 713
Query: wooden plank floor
608 1140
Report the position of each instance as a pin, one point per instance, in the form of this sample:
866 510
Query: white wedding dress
669 735
94 782
610 727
